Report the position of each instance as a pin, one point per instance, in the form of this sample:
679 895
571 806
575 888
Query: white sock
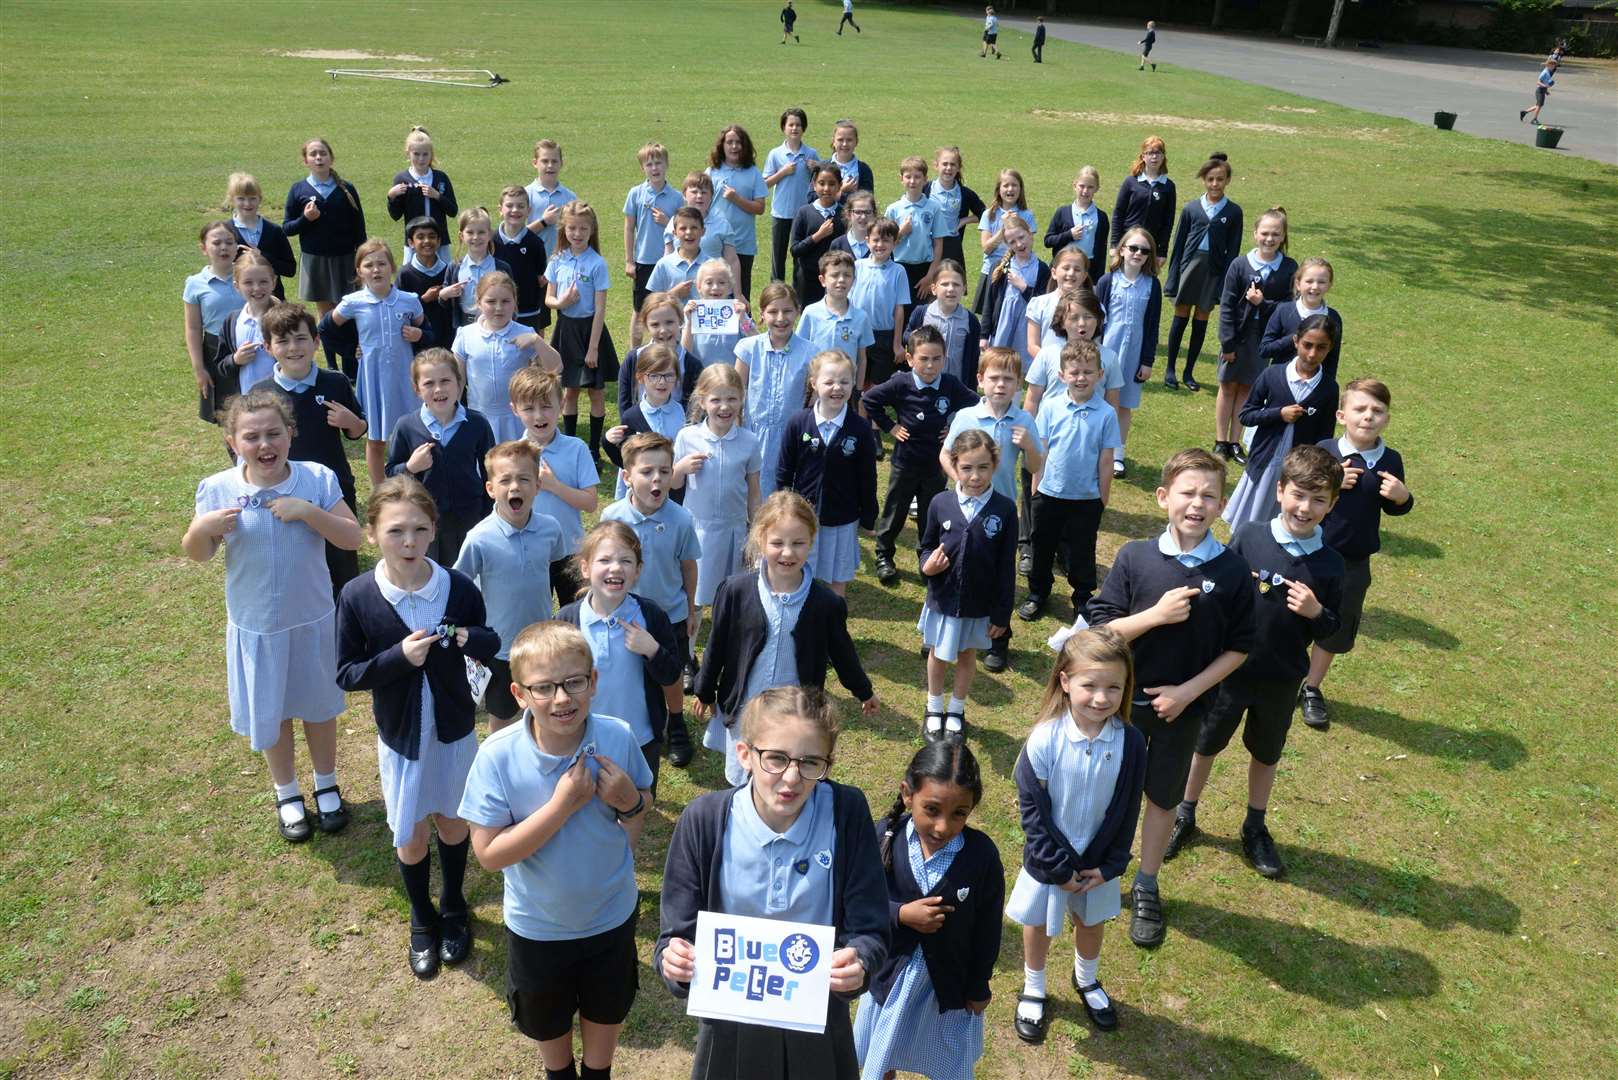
1085 971
1033 985
957 705
329 802
290 814
935 702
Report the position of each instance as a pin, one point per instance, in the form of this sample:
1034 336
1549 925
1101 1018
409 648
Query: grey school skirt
1200 283
326 277
730 1051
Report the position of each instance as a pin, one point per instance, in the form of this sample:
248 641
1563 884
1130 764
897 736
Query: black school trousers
904 485
1074 522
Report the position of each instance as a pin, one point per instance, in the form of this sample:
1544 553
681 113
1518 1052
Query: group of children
747 469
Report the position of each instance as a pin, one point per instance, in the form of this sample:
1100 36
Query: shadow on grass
1497 749
1153 1046
1133 526
1381 624
1409 547
1329 969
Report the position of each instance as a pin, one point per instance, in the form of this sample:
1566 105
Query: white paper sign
716 317
761 971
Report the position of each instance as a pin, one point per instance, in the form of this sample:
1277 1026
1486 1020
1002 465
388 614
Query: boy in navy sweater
443 445
924 401
1299 582
1373 483
1185 602
520 248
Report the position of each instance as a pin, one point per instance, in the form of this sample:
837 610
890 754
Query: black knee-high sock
418 890
1199 330
1176 329
570 424
587 1073
452 865
595 434
568 1073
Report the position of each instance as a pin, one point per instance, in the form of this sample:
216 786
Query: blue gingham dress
716 496
909 1033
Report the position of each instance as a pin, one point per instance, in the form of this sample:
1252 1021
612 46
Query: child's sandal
298 831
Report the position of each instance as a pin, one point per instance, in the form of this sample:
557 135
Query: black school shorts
1267 704
1168 750
548 982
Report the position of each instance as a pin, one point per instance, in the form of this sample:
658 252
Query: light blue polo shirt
926 223
667 538
1074 434
749 184
569 458
878 289
216 298
848 333
582 882
666 420
591 273
673 269
539 201
792 191
1079 773
469 274
639 204
716 233
1213 210
716 494
511 567
979 416
621 674
1295 546
774 875
491 358
949 205
1046 370
442 433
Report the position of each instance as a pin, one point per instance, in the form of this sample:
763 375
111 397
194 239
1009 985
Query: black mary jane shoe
337 820
1170 381
932 727
1191 384
958 732
298 831
1105 1018
1031 1032
455 938
424 960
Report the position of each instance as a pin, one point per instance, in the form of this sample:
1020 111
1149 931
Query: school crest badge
962 893
1263 581
1207 585
823 857
849 446
801 867
991 526
844 332
943 405
320 399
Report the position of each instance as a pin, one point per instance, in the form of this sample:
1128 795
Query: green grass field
1445 913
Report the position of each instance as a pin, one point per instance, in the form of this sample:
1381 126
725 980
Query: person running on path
1146 44
1547 79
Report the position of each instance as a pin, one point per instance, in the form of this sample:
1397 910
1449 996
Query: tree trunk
1336 21
1289 21
1218 14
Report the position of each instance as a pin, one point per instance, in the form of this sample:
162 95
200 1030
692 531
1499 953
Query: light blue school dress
492 358
256 370
749 184
280 623
908 1032
775 665
435 780
716 496
990 224
1125 323
385 389
777 386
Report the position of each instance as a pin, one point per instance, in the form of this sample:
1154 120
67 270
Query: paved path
1486 89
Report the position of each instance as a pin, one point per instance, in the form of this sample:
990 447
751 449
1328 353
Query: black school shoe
298 831
1170 381
1031 1032
455 938
1032 608
1314 707
1025 562
886 572
1191 384
1184 829
998 656
932 727
679 739
689 678
424 946
337 820
1107 1018
1146 925
1259 848
1237 454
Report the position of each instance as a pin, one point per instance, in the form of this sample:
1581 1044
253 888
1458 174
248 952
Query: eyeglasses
573 684
1137 249
660 376
775 763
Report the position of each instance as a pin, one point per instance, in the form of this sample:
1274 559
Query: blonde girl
388 323
1069 270
422 189
243 197
210 298
577 280
1009 202
661 319
713 282
495 348
475 230
243 359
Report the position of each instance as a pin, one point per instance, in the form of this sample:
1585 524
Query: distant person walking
1146 44
1039 40
848 18
1547 79
789 19
991 34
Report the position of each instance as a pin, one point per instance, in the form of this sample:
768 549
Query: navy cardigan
839 481
1262 413
971 348
1225 239
338 230
660 670
1152 319
455 478
981 579
370 657
918 410
1146 205
437 319
995 290
1046 853
413 204
806 251
1277 346
691 878
961 954
739 631
1059 235
274 246
1241 324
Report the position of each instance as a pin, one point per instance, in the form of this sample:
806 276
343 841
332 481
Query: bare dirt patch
1291 108
1187 123
347 54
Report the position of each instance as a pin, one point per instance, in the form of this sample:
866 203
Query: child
857 176
717 463
1081 224
648 207
508 555
1209 236
1016 279
920 244
755 644
1039 39
557 804
323 211
1373 483
422 190
547 195
1132 299
1079 432
1146 198
259 235
322 405
459 291
1254 285
493 349
828 455
924 1010
882 291
715 240
1070 271
960 204
1078 815
815 228
774 370
991 35
739 192
1009 202
714 346
924 400
1310 285
577 280
676 271
834 323
1146 44
425 273
789 19
720 859
405 633
632 642
567 475
1185 604
274 516
1542 89
1076 317
968 554
960 329
859 214
848 18
656 411
210 299
1299 584
670 550
789 169
1290 405
242 361
387 322
442 444
521 249
661 321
